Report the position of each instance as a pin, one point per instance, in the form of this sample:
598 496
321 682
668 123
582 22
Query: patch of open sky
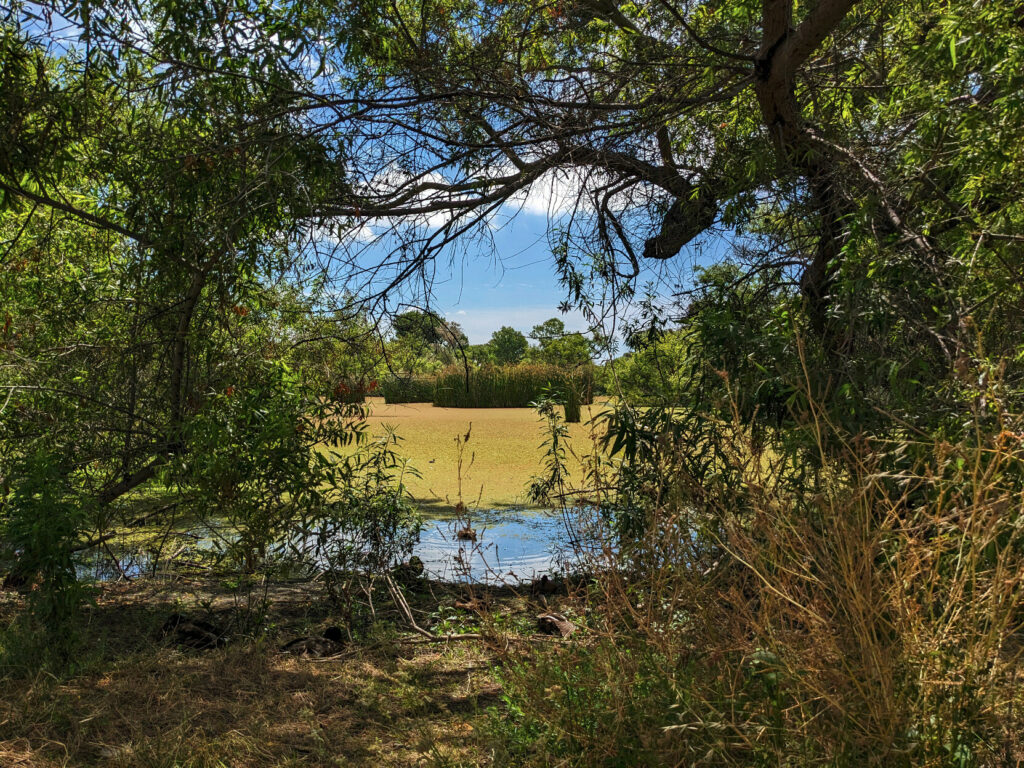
507 276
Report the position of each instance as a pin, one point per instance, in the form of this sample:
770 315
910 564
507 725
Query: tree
508 345
548 331
852 145
424 341
655 372
417 328
557 347
857 146
481 354
147 231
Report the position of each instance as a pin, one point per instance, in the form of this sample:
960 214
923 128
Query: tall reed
515 386
407 389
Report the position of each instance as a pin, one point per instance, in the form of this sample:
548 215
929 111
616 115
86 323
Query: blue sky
511 280
518 286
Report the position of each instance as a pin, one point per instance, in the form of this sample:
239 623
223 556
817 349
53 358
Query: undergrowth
865 608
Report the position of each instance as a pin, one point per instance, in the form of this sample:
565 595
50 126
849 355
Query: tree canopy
181 181
508 345
858 149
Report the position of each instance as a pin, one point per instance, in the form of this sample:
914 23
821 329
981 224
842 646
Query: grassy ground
134 700
504 451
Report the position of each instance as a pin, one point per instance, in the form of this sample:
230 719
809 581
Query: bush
572 404
514 386
407 389
845 616
258 462
41 522
655 372
369 526
353 392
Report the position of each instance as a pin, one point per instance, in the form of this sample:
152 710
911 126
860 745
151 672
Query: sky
519 287
516 286
515 283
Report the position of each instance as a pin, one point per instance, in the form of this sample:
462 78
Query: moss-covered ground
505 450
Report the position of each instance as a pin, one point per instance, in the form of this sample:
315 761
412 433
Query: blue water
510 547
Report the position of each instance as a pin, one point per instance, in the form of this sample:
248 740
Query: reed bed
514 386
407 389
863 617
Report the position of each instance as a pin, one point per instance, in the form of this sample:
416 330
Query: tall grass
861 617
513 386
407 389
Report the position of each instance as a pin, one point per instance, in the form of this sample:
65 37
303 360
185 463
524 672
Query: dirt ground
134 698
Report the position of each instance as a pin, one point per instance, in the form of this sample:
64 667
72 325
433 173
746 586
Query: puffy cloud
554 194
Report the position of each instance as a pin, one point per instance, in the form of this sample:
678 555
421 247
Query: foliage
369 526
257 460
557 347
550 487
818 528
41 521
325 348
425 334
654 372
152 285
831 618
509 346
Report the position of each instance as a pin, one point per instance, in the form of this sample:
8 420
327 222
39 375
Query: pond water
511 546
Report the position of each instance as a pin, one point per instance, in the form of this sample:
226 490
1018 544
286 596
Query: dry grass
142 704
863 615
505 447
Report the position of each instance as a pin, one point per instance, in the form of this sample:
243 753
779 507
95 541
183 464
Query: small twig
403 606
442 638
116 561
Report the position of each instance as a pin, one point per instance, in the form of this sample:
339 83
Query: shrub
369 526
572 404
509 386
767 615
258 464
354 391
41 522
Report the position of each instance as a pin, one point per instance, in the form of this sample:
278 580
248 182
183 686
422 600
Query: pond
511 546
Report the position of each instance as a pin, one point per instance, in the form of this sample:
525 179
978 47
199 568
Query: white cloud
335 234
553 194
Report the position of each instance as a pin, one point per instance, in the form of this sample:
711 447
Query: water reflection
510 547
